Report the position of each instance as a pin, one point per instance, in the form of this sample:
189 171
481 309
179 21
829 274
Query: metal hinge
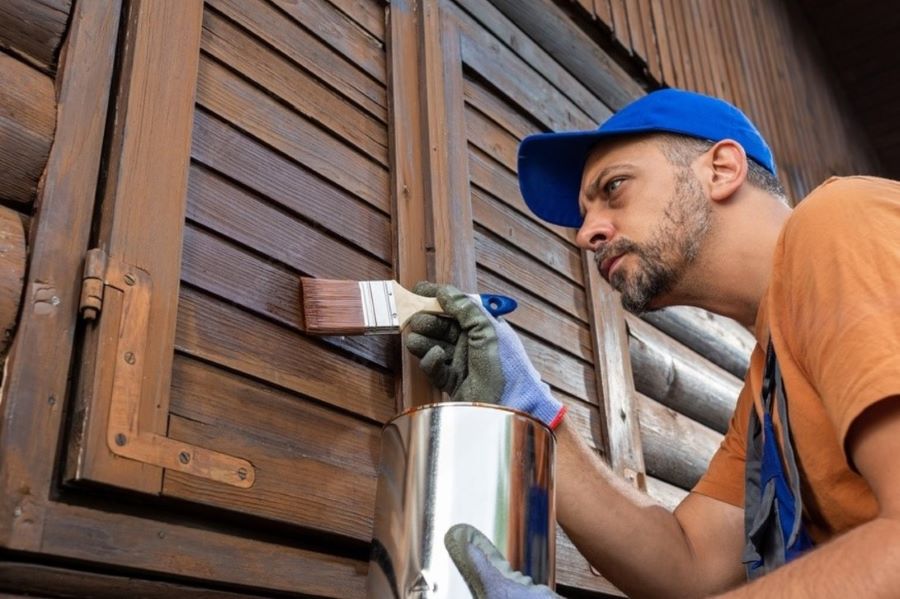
125 436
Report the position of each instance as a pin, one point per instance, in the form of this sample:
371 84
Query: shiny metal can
451 463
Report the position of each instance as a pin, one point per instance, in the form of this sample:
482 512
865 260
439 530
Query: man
677 197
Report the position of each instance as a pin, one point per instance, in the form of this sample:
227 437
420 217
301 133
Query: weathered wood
52 581
280 77
212 264
12 274
409 210
289 185
370 14
37 372
679 378
530 274
613 377
446 166
493 140
226 336
308 51
676 448
316 467
720 340
157 546
34 30
498 109
548 25
561 371
667 495
147 174
27 119
252 110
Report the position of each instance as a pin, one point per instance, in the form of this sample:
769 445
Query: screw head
184 457
121 439
129 357
242 473
129 279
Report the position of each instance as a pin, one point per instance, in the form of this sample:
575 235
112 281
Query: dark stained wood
370 14
340 32
27 119
233 339
252 110
546 23
680 379
34 30
37 370
409 208
280 77
292 187
12 274
157 546
676 449
149 153
282 33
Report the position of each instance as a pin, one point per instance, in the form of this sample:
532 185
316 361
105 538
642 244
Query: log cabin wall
361 140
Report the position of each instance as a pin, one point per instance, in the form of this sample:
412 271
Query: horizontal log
676 448
34 30
669 496
12 273
27 121
678 378
720 340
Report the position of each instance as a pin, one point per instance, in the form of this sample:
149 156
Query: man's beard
671 249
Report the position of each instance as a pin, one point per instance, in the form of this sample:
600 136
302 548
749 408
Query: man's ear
727 162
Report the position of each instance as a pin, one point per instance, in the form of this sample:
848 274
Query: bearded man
677 197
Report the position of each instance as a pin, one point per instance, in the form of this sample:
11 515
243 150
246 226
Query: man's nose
596 230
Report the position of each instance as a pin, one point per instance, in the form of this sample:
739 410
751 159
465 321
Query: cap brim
550 168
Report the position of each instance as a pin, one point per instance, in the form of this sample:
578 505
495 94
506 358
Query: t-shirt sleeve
724 478
841 286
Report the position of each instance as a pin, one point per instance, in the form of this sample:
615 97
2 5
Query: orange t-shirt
833 309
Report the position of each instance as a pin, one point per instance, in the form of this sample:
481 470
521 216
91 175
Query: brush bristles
332 307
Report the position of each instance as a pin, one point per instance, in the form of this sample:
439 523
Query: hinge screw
129 279
242 473
184 457
121 439
129 357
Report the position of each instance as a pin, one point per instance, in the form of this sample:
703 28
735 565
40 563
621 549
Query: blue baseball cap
551 164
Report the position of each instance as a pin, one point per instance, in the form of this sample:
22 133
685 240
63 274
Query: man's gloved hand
486 572
476 357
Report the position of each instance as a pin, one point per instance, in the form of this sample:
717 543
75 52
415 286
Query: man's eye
613 184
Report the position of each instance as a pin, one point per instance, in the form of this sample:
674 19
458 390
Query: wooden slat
306 95
315 467
547 24
561 370
37 375
676 449
289 185
649 33
636 30
661 29
34 30
620 23
283 34
340 32
231 338
27 119
265 288
252 110
228 209
370 14
13 259
494 141
604 12
680 379
499 110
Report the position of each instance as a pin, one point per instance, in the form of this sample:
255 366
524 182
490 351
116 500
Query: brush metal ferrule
379 306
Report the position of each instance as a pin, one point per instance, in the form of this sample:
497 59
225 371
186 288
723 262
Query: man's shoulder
846 203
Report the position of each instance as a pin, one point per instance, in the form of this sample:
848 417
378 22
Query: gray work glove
486 572
473 356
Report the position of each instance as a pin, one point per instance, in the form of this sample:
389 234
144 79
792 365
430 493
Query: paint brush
334 307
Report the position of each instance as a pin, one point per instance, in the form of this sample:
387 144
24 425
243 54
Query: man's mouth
608 264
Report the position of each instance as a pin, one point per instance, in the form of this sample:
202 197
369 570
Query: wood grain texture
147 174
37 371
34 29
12 274
27 120
369 14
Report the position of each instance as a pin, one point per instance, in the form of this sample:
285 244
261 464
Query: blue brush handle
498 305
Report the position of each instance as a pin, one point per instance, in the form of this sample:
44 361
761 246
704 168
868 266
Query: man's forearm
638 545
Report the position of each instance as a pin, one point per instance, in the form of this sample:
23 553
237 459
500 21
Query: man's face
645 219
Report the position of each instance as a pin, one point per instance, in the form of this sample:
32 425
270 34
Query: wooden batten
12 273
34 30
27 120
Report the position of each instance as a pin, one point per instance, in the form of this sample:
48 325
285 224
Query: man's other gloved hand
486 572
476 357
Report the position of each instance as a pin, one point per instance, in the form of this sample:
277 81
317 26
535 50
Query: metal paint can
450 463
